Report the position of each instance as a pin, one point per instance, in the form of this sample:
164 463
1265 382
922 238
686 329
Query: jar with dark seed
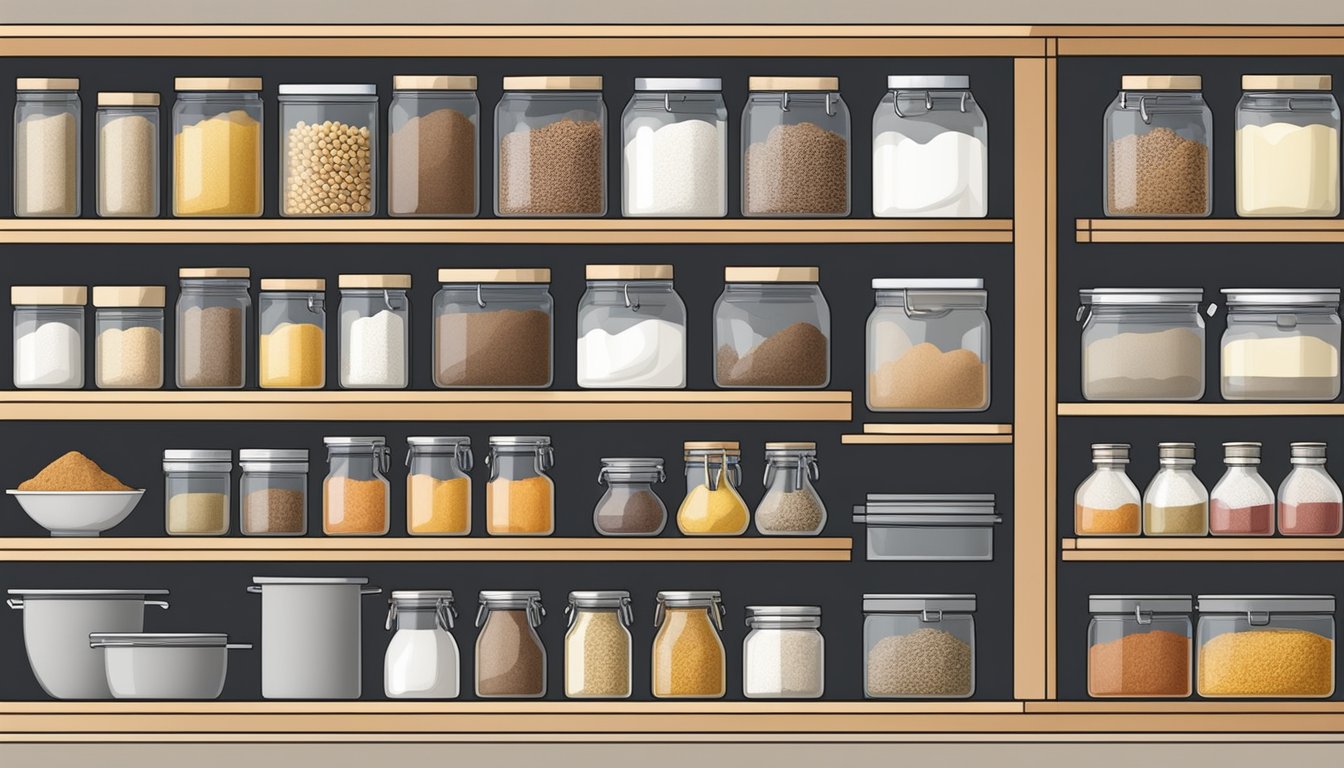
551 147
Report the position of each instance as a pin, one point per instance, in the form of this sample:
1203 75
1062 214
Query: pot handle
238 646
370 590
160 603
15 603
255 589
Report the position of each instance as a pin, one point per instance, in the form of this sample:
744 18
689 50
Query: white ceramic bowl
77 513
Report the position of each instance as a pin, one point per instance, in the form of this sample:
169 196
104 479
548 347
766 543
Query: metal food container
934 526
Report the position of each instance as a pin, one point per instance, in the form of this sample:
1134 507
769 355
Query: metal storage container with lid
217 166
1241 503
928 345
510 657
356 495
520 496
292 333
311 634
1159 148
630 507
433 141
930 149
128 154
1107 503
632 328
49 336
197 491
212 321
422 660
675 137
438 485
274 490
47 147
918 646
688 654
328 149
598 645
1310 502
1142 343
795 148
1266 646
772 329
1139 646
551 147
493 328
783 654
375 331
1175 503
1287 146
1281 344
128 336
929 526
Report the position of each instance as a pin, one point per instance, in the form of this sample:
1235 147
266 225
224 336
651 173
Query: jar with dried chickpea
355 494
520 496
438 486
688 655
597 645
328 149
1139 646
1266 646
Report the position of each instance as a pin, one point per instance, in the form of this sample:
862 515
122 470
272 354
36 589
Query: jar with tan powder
356 494
432 148
196 489
1281 344
688 655
928 345
510 657
47 147
128 351
1107 503
597 645
1142 343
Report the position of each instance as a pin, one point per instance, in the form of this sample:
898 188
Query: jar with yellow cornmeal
217 146
438 486
1266 646
712 506
292 320
688 656
1108 503
520 496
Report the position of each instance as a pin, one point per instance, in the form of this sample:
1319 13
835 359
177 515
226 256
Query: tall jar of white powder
675 134
632 328
375 331
49 336
128 154
784 654
930 149
46 146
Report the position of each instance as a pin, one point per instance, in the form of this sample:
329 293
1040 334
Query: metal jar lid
1265 603
1114 453
1307 450
164 640
532 441
1241 454
1282 297
783 616
678 84
273 459
928 82
805 447
1176 451
1140 296
604 598
197 460
689 598
928 284
328 89
1133 604
366 440
438 441
950 603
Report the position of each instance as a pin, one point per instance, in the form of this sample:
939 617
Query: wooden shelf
440 405
1268 707
1210 231
426 549
1201 409
932 434
1210 548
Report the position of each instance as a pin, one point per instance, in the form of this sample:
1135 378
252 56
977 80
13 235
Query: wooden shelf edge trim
197 226
427 543
937 429
1210 543
932 439
1200 409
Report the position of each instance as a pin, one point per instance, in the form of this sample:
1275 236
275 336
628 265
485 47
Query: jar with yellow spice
217 146
292 321
688 656
356 492
438 488
712 506
520 496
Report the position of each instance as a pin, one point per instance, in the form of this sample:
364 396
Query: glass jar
712 506
47 147
1266 646
217 146
630 507
918 646
597 645
1139 646
196 489
438 486
292 322
772 329
212 313
1287 146
128 344
434 122
1176 503
493 328
128 154
928 345
510 658
675 135
1159 148
688 655
355 493
328 149
1241 503
1281 344
551 147
790 506
375 331
49 336
930 149
274 487
422 661
632 328
520 496
784 654
1107 502
1310 503
1142 343
795 148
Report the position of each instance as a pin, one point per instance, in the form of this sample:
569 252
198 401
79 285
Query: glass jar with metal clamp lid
1287 146
712 506
355 494
597 645
1281 344
438 486
791 506
930 149
632 328
1159 148
795 148
1266 646
520 496
422 661
493 328
688 655
784 654
675 136
630 507
928 345
1139 646
1142 343
510 657
375 331
919 646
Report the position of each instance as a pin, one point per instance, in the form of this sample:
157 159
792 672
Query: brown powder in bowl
73 472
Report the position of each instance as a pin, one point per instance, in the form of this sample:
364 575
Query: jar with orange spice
520 496
355 495
438 488
688 656
1107 503
1139 646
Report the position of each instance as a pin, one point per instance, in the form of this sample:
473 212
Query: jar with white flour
1142 343
49 336
1287 146
930 149
375 331
632 328
675 134
1281 344
422 659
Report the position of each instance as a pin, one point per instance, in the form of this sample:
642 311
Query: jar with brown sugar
1159 148
355 495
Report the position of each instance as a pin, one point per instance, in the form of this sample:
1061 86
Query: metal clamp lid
710 599
617 600
704 84
931 607
1257 606
458 446
631 469
1140 605
528 600
438 600
1270 297
783 616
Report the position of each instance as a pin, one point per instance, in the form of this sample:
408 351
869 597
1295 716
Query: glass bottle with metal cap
1142 343
217 146
520 496
791 505
795 148
930 149
328 149
918 646
355 494
1287 146
375 331
712 506
1281 344
1310 503
928 345
49 336
1139 646
1107 503
551 147
783 654
632 328
128 154
274 487
292 323
433 142
597 645
422 660
47 147
630 507
1241 503
212 320
688 655
510 657
1175 503
128 330
438 486
493 328
1266 646
675 132
772 329
196 492
1159 148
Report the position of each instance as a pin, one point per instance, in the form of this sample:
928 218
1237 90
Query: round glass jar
784 654
772 329
1175 503
128 336
197 486
688 655
928 345
1310 503
493 328
355 494
930 149
918 646
422 660
212 317
1107 503
1266 646
375 331
630 507
328 149
1241 503
1142 343
1159 148
438 486
598 644
675 137
292 328
434 140
47 147
551 147
713 506
632 329
520 496
274 490
1287 146
128 154
795 148
49 336
510 657
217 146
1281 344
1138 646
790 506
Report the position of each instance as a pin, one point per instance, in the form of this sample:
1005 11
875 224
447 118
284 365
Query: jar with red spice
1310 503
1242 503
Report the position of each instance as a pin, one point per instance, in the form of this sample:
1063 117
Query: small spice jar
328 149
1139 646
632 328
675 134
1175 503
1107 503
930 149
1310 503
772 329
784 654
47 147
438 486
422 661
597 645
197 485
493 328
1266 646
510 657
375 331
274 487
1142 343
520 496
128 328
551 147
292 323
791 506
1159 148
1281 344
928 345
212 314
795 148
1242 503
49 336
630 507
217 146
688 655
355 494
712 506
128 154
1287 146
434 139
918 646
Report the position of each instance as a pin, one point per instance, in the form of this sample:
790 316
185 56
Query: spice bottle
1139 646
292 322
47 147
712 505
1159 148
328 149
128 154
434 122
1107 502
212 320
375 331
520 496
128 342
597 645
783 655
274 490
49 336
551 147
772 329
1242 503
1310 503
795 148
217 146
493 328
791 505
688 655
930 149
438 486
630 507
422 661
918 646
196 488
675 132
1175 502
355 494
510 657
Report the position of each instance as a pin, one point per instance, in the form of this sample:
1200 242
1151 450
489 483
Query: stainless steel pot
310 636
145 665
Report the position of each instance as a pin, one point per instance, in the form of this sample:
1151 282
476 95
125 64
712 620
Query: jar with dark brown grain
1159 148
